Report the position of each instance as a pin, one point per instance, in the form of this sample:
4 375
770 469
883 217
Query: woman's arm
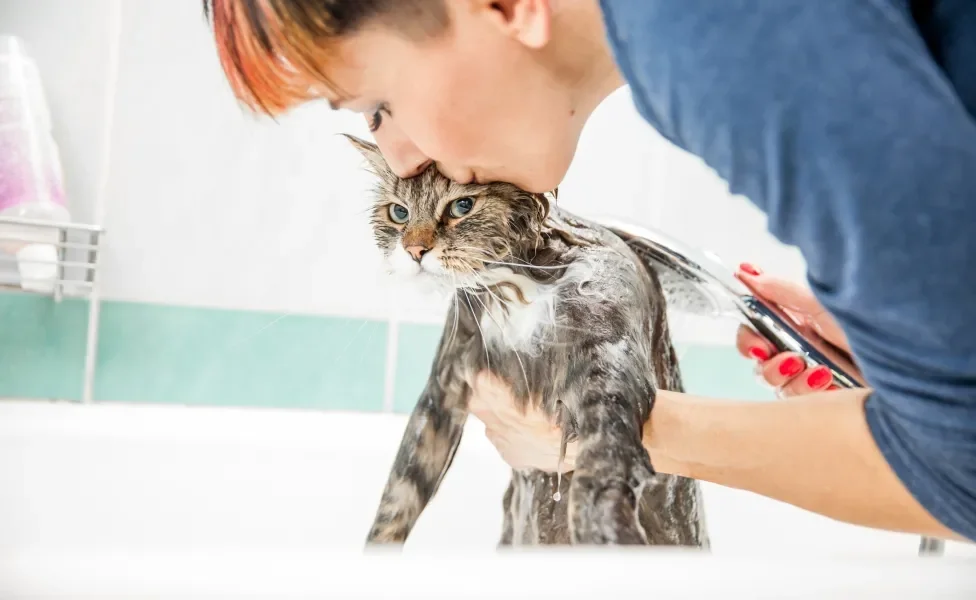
814 452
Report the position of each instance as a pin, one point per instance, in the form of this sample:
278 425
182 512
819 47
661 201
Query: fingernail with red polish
790 367
833 387
758 353
751 270
819 378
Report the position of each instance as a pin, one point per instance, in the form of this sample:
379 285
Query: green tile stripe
169 354
197 356
203 356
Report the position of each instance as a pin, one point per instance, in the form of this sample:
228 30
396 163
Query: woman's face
479 98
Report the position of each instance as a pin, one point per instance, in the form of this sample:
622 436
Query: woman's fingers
752 345
787 371
523 439
814 379
490 400
782 369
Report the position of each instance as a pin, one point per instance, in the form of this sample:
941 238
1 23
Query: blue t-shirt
851 125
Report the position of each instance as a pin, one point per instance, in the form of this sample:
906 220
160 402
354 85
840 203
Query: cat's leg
552 514
612 466
429 441
507 524
427 448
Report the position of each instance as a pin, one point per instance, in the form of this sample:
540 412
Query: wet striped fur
565 313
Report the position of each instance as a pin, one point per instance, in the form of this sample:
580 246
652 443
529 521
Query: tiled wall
214 357
219 222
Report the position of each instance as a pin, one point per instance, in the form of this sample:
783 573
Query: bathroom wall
238 267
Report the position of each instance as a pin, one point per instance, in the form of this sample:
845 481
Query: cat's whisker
366 346
353 338
480 253
260 330
518 357
487 288
553 325
524 266
481 250
487 253
456 309
484 342
568 328
493 260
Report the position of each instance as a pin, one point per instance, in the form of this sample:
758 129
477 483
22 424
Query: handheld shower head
698 282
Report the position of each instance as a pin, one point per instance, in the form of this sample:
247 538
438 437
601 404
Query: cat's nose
417 252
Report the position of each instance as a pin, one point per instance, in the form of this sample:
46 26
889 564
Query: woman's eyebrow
339 103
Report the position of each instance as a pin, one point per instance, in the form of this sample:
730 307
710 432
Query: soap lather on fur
564 312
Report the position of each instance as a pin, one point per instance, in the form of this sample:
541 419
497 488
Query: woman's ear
528 21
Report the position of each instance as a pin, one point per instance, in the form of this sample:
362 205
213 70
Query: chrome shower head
697 282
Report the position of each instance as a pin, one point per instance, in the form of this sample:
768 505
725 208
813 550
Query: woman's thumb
787 294
798 301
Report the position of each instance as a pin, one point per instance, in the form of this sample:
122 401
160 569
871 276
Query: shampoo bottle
31 180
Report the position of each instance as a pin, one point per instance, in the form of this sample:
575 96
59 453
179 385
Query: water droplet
559 463
559 478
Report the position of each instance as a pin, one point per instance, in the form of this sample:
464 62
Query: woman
851 124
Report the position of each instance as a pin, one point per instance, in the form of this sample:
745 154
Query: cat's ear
371 153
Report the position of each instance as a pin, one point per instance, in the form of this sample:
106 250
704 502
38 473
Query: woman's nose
407 160
404 158
407 163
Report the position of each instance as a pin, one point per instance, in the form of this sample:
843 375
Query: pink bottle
31 181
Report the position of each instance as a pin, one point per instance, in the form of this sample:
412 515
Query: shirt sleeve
832 117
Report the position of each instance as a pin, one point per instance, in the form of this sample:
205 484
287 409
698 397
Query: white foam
520 325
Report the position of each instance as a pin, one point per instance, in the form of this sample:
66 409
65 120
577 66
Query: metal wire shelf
78 248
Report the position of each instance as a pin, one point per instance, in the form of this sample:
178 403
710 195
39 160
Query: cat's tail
427 449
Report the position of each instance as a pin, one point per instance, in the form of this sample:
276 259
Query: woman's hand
524 441
787 370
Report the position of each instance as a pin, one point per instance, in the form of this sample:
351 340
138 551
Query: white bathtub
85 487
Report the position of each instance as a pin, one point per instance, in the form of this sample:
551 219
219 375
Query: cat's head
434 230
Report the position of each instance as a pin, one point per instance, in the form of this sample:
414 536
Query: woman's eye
376 119
399 214
461 207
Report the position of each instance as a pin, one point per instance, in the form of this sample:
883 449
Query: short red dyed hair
273 52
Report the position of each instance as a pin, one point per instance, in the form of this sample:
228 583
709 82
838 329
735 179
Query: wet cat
565 313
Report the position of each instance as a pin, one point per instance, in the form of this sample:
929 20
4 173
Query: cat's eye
399 214
461 207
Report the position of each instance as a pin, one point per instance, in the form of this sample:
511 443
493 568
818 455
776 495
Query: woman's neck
579 55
